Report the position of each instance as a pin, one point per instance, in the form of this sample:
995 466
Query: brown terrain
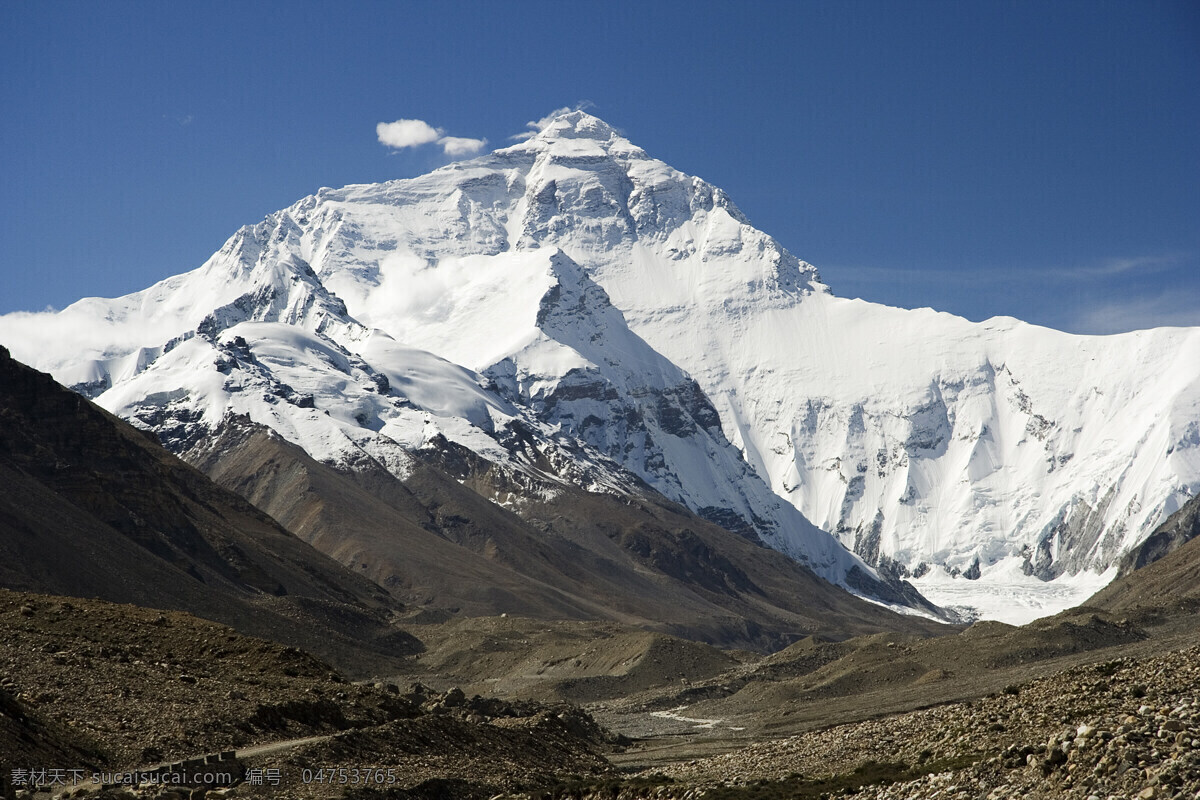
106 689
1078 705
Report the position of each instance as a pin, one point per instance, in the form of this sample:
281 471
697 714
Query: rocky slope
1096 702
91 507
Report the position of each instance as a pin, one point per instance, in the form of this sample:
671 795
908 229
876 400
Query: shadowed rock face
1163 576
1179 529
91 507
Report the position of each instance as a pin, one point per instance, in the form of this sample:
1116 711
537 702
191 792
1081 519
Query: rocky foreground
92 693
1125 728
102 689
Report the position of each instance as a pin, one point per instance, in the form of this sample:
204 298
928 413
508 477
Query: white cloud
79 334
406 133
540 125
460 145
416 132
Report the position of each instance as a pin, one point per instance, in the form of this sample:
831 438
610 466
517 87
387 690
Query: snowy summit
634 323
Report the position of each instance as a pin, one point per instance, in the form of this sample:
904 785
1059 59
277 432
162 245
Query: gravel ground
1124 728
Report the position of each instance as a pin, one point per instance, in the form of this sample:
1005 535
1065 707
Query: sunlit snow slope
598 293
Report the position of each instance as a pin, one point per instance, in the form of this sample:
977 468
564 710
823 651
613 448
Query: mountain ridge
439 538
861 418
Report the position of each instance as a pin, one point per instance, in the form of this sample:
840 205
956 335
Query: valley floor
1080 706
1127 727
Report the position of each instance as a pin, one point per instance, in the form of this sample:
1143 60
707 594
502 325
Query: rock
1054 758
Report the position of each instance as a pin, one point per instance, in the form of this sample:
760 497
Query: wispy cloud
1166 309
1108 268
50 338
405 133
856 273
1111 295
1117 266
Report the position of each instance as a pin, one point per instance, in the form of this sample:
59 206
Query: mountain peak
576 125
890 427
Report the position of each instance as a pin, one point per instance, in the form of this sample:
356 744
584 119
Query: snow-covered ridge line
593 291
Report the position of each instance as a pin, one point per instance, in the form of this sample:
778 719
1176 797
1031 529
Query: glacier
634 320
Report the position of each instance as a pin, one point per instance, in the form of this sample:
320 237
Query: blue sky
1032 159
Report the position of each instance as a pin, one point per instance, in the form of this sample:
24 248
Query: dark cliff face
91 507
1179 529
1163 573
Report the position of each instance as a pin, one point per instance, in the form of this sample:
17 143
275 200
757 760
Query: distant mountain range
569 326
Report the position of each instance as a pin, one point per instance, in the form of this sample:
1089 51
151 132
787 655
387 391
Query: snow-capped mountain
630 319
